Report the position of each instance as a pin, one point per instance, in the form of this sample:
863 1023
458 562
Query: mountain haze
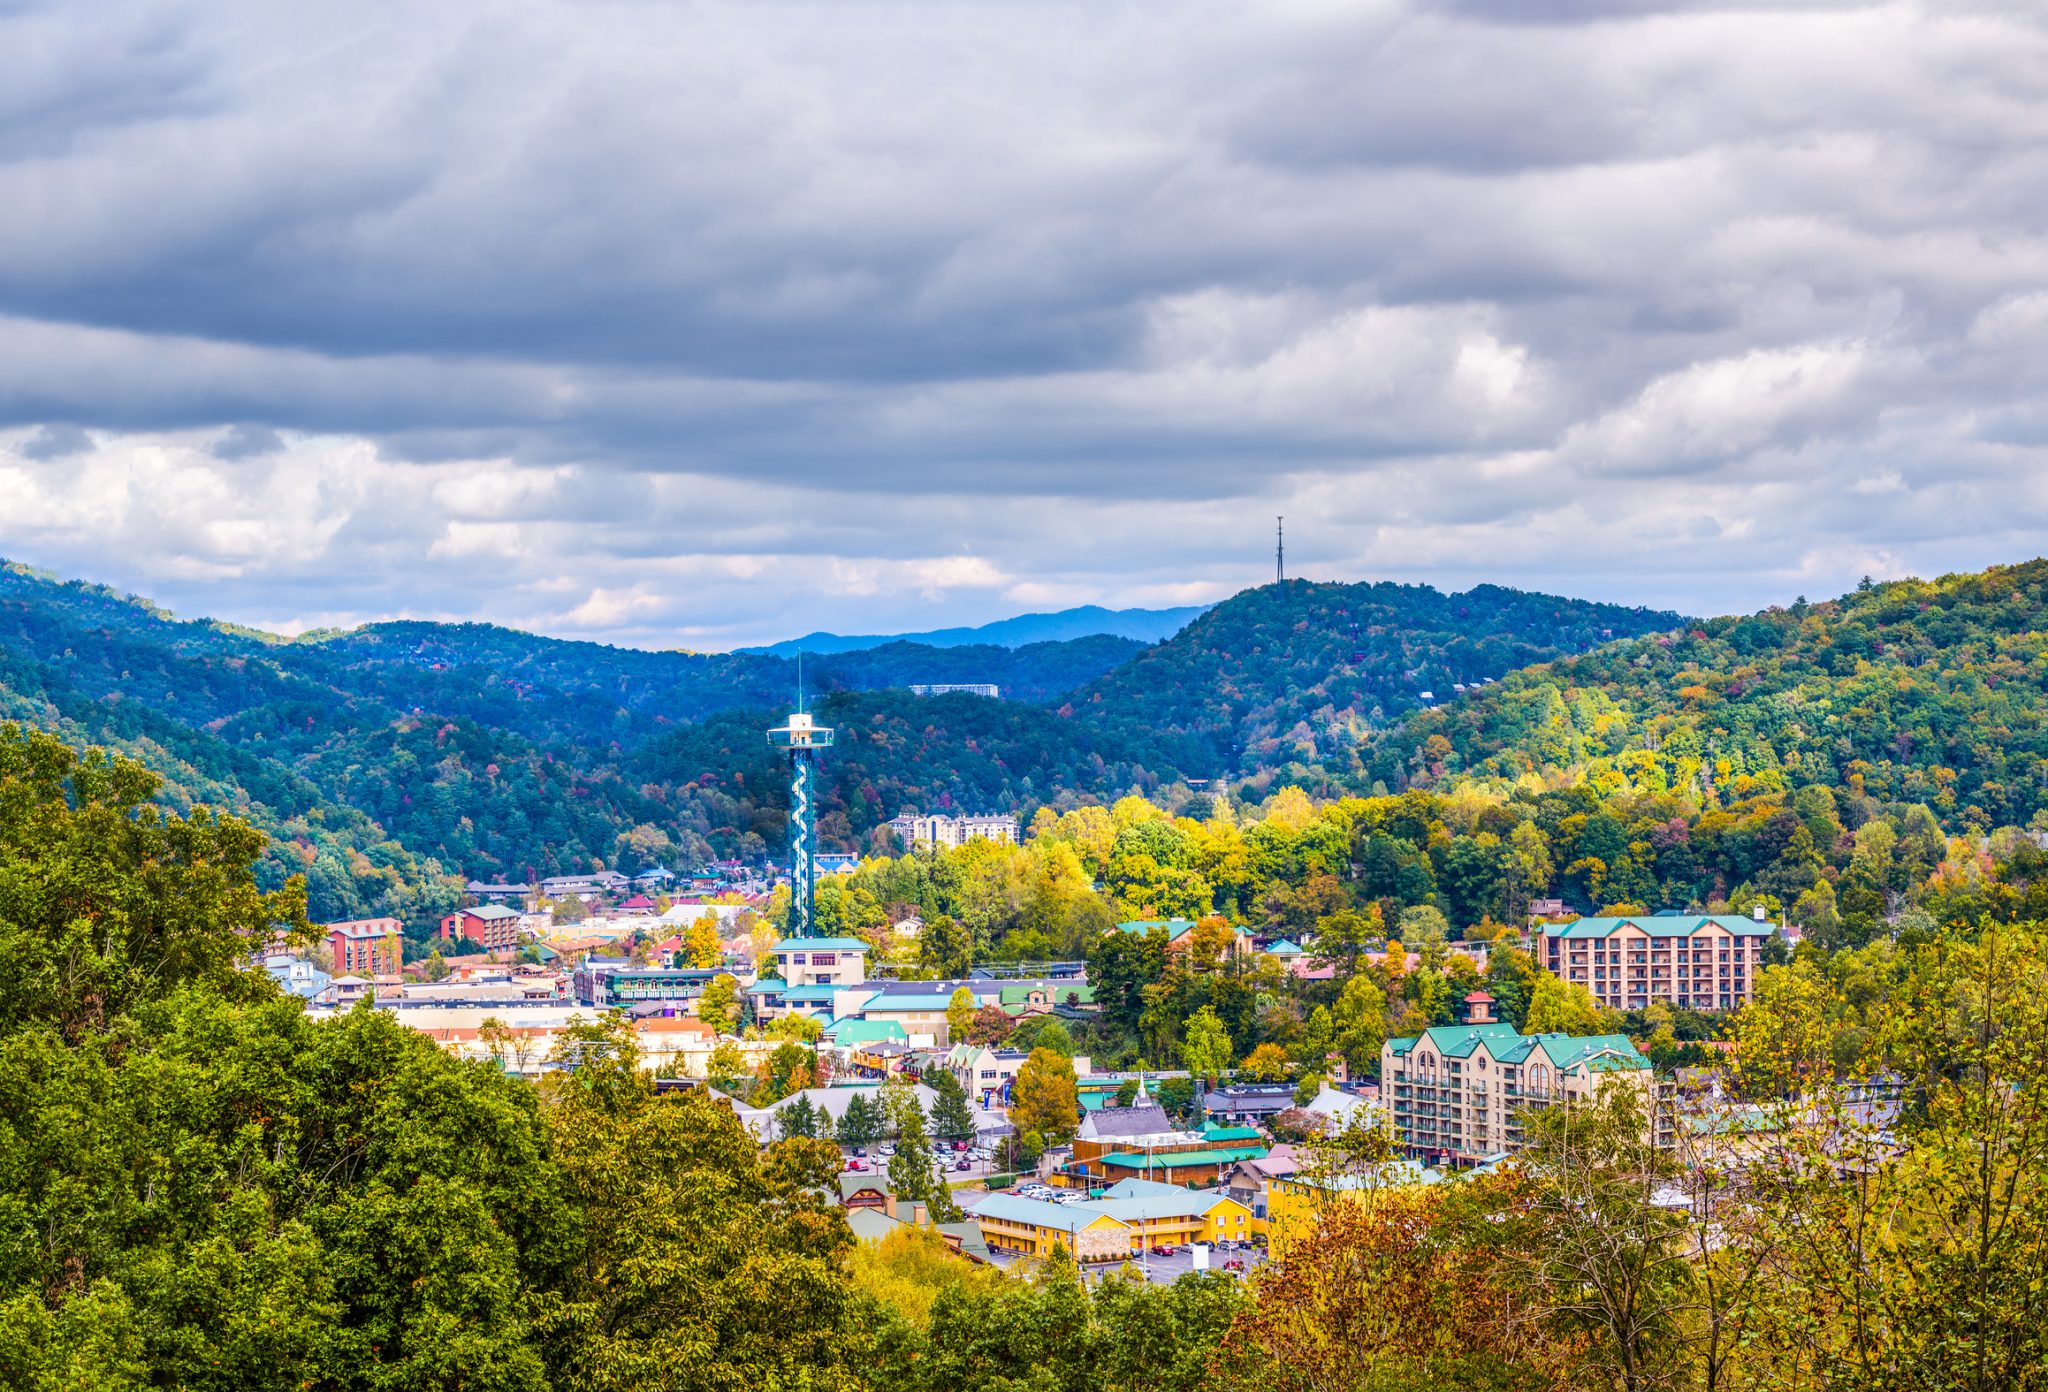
1090 620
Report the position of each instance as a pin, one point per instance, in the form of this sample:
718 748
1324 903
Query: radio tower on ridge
1280 550
803 740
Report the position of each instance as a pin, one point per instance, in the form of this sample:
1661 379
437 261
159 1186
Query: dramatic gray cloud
713 322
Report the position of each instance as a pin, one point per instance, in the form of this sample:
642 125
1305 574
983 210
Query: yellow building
1012 1224
1134 1216
1295 1202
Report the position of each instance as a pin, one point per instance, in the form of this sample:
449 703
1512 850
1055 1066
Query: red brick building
365 946
492 927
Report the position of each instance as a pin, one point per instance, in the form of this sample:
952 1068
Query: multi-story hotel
1458 1092
1699 961
914 830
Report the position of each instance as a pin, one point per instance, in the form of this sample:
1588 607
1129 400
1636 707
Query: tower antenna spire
1280 550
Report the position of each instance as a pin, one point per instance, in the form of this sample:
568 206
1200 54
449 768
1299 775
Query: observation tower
803 739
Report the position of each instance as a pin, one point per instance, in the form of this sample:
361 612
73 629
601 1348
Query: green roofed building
1457 1093
1700 961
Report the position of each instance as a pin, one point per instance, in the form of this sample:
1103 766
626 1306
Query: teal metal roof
1601 1053
1181 1203
768 986
1180 1159
1068 1218
867 1032
1174 926
1661 926
1212 1132
1284 948
820 945
908 1002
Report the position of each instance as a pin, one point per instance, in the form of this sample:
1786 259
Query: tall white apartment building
914 830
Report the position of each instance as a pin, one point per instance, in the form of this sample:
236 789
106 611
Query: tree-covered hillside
1295 677
387 763
1910 691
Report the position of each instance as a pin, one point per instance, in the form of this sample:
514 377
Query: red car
959 1145
963 1165
1164 1251
855 1165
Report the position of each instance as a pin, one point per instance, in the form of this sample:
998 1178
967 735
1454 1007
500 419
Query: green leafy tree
719 1006
959 1014
1564 1007
944 948
1205 1049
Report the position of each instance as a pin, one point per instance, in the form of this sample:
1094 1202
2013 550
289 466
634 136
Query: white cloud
728 322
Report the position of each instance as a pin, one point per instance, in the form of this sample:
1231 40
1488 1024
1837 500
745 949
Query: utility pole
1280 550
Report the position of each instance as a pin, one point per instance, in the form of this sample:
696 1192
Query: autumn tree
701 945
1268 1063
1046 1097
719 1006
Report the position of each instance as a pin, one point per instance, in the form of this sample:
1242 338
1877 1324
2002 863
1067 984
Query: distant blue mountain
1145 625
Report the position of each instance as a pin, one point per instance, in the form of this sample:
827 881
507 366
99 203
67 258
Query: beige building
1457 1093
913 830
1699 961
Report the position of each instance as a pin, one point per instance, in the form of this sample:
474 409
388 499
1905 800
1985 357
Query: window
823 959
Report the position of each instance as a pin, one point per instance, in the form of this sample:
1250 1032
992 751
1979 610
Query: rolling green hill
390 762
1295 678
1910 691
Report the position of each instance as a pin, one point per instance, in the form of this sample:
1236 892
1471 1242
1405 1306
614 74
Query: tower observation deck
802 738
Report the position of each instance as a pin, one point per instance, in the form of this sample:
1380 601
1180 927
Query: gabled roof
1068 1218
768 986
1174 926
1176 1203
1142 1118
1601 1053
1284 948
1661 926
1458 1041
867 1032
490 913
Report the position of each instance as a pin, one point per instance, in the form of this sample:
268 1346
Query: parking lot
876 1162
1162 1271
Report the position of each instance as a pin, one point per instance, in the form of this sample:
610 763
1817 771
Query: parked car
861 1151
963 1164
1233 1265
959 1145
1163 1251
855 1165
887 1150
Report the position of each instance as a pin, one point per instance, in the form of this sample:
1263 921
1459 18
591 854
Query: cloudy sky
704 323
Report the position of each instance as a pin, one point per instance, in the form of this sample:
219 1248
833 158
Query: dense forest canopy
1913 690
390 762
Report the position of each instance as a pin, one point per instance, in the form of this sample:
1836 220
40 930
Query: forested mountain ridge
388 763
1931 691
1295 677
1087 621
